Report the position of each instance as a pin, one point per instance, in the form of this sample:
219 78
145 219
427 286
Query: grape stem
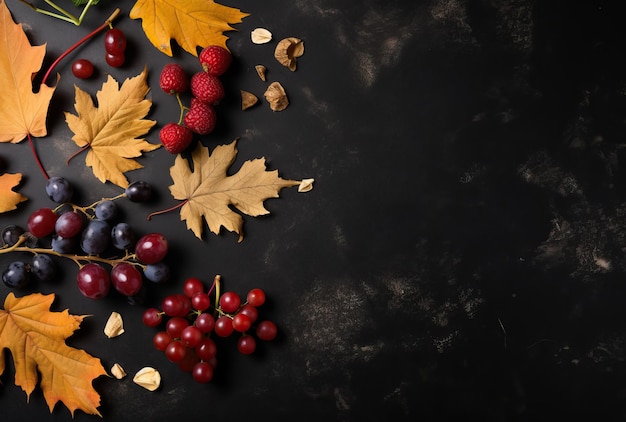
86 38
78 259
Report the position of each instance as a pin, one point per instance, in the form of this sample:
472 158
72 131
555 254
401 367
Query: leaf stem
32 147
175 207
105 25
84 148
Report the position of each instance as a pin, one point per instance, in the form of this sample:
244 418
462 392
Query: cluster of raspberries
207 91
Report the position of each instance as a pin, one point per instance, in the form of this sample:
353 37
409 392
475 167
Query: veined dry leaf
22 111
36 338
192 23
111 130
209 192
8 198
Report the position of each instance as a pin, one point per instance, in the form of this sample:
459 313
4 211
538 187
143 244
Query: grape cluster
188 321
107 251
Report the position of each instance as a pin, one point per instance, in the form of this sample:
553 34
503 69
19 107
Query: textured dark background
461 254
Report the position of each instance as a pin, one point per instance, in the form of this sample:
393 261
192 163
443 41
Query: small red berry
175 138
173 79
207 88
215 60
201 118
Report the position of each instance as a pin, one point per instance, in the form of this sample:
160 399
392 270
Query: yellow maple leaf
192 23
36 338
8 198
208 191
111 130
22 112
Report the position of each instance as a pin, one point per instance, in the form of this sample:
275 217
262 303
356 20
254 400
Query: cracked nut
276 96
117 371
261 71
288 50
114 326
261 36
306 185
248 99
148 377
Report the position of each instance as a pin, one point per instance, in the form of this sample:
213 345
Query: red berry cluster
114 46
185 336
207 91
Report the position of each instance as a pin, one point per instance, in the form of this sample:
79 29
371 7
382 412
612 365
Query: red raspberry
175 138
215 60
207 88
173 79
201 117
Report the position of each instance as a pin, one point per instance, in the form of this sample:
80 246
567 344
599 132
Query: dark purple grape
138 191
16 275
157 273
64 245
106 210
11 234
122 236
96 237
43 268
59 189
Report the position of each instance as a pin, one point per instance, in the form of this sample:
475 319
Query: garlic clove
261 36
306 185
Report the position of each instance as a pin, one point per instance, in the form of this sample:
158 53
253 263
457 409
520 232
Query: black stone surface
462 253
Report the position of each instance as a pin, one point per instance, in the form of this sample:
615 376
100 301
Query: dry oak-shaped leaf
8 198
208 192
111 130
36 338
22 112
192 23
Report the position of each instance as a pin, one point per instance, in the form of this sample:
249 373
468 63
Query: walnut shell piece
261 71
148 377
288 50
248 99
276 96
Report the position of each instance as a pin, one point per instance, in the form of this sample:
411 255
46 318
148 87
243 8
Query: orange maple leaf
208 191
111 130
22 112
36 338
192 23
8 198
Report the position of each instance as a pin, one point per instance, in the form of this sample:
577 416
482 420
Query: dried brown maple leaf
192 23
111 130
22 112
8 198
209 192
36 338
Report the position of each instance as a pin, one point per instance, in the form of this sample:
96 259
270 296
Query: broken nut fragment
248 99
306 185
117 371
261 71
148 377
261 36
276 96
114 326
288 50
